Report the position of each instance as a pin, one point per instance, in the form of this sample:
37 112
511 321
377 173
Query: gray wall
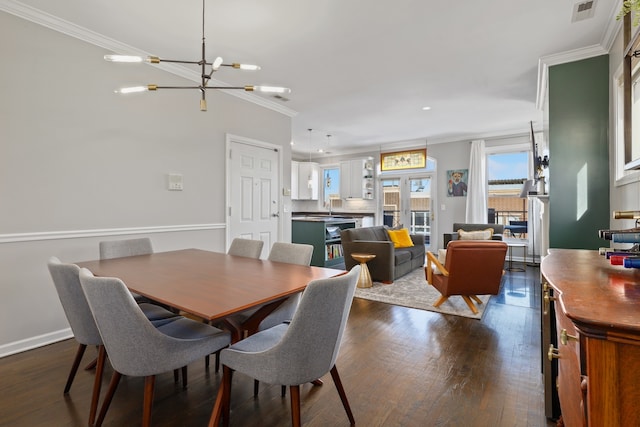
79 164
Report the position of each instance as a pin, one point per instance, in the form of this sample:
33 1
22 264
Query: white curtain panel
477 185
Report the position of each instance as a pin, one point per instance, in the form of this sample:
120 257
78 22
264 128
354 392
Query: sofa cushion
401 256
485 234
400 238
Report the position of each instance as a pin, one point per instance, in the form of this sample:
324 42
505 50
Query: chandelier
207 70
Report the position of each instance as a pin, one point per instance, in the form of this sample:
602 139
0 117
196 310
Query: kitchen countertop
334 214
322 218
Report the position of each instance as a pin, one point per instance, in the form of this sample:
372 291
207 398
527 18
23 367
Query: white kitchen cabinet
304 180
356 179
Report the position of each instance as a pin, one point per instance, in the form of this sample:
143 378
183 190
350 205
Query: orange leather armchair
472 267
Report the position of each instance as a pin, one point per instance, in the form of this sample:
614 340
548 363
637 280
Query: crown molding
55 23
562 58
608 37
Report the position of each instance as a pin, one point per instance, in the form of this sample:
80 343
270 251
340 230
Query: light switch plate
174 182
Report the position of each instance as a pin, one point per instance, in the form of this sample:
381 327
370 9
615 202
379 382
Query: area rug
413 291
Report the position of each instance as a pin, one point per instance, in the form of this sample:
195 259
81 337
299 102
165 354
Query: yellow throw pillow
400 238
476 235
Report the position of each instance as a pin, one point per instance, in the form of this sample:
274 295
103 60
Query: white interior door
253 212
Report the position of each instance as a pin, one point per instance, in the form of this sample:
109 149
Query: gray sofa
498 231
390 262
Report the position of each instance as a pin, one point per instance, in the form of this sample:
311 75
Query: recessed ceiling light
426 108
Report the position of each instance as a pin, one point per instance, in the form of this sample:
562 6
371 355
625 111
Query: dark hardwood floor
399 367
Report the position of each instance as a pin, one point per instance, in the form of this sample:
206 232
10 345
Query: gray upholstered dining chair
292 253
295 353
129 247
122 248
246 247
67 283
135 346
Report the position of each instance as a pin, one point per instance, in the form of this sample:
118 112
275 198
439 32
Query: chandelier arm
247 88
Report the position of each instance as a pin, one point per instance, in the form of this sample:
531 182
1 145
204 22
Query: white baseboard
34 342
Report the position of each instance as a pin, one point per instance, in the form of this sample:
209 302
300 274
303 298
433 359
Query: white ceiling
361 70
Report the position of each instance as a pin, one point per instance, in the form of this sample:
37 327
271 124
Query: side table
510 260
364 281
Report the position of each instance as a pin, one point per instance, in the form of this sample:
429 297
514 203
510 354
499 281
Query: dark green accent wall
579 153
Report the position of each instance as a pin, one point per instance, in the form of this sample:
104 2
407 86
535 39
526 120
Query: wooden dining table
211 285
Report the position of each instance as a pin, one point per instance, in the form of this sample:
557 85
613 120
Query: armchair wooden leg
440 301
295 405
74 367
470 304
476 299
343 395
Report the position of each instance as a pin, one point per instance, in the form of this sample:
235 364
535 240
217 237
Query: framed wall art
457 182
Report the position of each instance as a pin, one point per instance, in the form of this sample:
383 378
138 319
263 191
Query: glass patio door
407 202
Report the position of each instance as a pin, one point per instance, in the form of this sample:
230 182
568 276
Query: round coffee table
364 281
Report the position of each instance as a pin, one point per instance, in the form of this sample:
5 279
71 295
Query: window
331 188
506 173
622 176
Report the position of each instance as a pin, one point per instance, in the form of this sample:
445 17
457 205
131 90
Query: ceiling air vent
583 10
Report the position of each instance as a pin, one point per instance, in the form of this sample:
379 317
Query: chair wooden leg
97 384
343 395
184 377
74 367
176 375
470 304
476 299
149 383
256 387
440 301
222 406
317 382
113 385
91 364
206 361
217 361
283 390
295 405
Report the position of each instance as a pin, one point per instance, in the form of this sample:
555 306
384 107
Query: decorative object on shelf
539 162
399 160
204 77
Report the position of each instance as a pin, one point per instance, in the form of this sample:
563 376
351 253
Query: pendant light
205 75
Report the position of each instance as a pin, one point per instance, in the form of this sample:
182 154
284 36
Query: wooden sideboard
591 338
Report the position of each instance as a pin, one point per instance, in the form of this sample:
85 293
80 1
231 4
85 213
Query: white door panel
253 193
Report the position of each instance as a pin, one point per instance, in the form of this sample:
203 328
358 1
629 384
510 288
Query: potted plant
629 6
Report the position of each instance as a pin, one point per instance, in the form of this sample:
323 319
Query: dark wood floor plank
399 367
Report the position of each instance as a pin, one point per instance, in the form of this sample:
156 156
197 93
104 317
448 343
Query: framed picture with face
457 182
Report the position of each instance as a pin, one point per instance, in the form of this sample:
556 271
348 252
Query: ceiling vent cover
583 10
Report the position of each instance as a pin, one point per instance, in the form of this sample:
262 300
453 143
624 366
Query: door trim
229 140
